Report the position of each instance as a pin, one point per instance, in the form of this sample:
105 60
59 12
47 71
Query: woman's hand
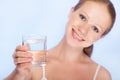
22 59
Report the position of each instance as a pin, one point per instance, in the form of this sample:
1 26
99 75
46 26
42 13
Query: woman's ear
71 12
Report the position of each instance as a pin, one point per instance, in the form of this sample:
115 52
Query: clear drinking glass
37 46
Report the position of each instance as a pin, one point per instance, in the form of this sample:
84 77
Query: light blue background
49 17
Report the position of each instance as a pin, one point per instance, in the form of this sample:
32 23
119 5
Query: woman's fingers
22 48
22 54
22 60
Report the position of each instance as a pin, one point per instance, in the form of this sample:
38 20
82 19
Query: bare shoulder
103 74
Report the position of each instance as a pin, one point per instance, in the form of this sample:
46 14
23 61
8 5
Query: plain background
49 17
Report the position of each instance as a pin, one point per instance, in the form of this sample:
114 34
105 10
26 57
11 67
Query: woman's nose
83 29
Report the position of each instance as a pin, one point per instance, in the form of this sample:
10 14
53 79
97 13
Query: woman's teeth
76 36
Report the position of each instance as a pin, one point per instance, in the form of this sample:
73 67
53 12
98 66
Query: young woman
88 22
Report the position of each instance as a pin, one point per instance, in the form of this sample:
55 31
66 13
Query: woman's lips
76 36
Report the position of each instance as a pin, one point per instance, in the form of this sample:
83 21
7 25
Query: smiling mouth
76 35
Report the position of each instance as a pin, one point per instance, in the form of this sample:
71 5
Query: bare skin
67 61
60 68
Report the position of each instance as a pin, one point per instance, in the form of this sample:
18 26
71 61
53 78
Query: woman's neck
65 52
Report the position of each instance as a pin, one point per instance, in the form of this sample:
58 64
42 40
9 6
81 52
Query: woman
88 22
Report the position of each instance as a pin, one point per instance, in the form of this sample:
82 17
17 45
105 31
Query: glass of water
37 46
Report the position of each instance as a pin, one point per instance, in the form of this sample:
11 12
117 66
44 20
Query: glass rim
34 35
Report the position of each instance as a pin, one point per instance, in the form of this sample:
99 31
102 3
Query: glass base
34 64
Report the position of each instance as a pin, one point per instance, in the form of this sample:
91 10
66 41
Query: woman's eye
95 29
82 17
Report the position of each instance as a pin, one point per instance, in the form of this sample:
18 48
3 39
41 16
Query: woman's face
87 24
